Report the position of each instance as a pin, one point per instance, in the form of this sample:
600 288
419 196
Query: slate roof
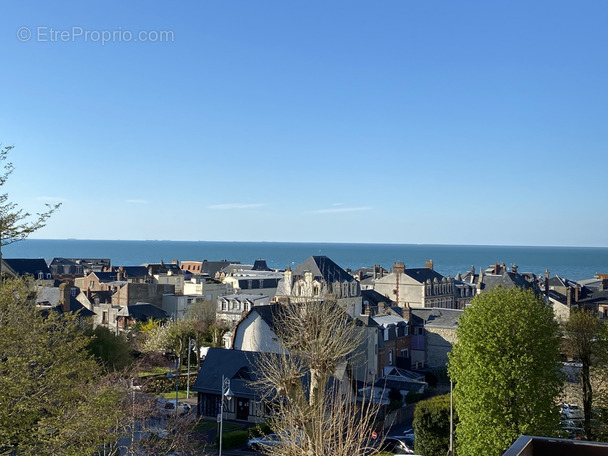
143 311
260 265
373 298
438 318
51 296
132 271
105 277
239 366
28 266
507 280
421 275
212 267
325 268
163 268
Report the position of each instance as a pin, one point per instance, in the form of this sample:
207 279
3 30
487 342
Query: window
405 353
390 358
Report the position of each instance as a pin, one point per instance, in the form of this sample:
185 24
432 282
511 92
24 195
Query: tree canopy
507 371
52 399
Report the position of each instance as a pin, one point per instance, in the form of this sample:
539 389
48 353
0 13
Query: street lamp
191 346
226 393
170 376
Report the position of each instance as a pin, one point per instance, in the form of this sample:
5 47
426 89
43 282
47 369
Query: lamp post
226 393
191 346
170 376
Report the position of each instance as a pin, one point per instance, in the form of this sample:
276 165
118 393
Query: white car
261 443
168 407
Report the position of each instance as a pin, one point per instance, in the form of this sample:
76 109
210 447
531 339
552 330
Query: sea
575 263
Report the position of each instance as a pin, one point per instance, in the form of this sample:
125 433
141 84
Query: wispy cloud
136 201
335 210
236 206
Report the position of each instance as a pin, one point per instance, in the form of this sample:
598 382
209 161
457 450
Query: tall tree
308 386
586 339
15 224
51 398
507 371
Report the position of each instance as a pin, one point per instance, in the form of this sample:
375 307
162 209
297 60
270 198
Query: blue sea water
575 263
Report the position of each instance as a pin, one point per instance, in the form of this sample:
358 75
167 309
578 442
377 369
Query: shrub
432 426
232 439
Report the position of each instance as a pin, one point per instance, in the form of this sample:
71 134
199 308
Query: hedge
233 439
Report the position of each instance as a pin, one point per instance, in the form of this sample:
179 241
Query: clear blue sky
403 121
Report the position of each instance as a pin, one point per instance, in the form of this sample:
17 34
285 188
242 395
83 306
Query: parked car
571 412
261 443
168 407
397 445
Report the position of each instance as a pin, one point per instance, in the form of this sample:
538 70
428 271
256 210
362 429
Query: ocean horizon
576 263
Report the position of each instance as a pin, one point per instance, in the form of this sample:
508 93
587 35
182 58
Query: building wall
253 334
209 290
439 343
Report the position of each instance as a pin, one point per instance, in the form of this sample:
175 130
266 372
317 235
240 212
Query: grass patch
181 394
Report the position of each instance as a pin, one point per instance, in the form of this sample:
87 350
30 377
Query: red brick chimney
398 267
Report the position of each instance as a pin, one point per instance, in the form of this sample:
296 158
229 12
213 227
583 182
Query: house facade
320 278
417 288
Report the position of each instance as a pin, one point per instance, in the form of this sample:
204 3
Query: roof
260 265
421 275
28 266
507 280
212 267
373 298
51 296
438 318
325 268
164 268
236 365
132 271
143 311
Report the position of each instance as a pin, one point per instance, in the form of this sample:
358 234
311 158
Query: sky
391 121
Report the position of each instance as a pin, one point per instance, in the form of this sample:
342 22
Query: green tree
15 224
432 426
507 372
586 339
52 400
113 351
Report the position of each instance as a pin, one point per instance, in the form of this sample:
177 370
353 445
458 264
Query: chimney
398 267
604 284
360 275
547 283
429 264
64 297
576 291
514 268
568 296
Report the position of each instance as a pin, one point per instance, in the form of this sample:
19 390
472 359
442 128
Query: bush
233 439
432 426
260 430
